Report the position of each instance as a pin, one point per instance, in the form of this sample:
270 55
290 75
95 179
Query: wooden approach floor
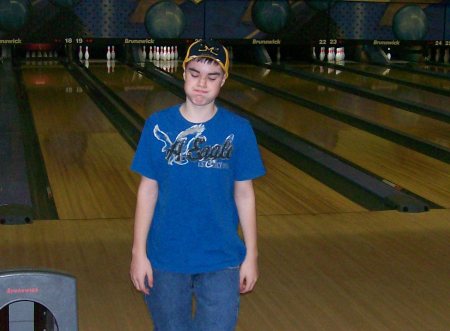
347 271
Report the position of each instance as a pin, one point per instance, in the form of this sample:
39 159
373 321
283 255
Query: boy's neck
198 114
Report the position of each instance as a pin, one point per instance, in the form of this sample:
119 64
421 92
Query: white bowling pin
322 54
113 53
140 54
314 56
437 55
446 55
388 55
150 53
144 54
86 55
108 54
157 55
330 56
80 53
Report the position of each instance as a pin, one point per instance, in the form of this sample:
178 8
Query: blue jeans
216 301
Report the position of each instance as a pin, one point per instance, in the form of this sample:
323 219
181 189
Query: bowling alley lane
432 68
388 89
415 125
86 159
402 75
283 190
402 166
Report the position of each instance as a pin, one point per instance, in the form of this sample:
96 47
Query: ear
223 80
184 75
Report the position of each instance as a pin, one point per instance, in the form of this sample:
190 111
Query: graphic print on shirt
190 146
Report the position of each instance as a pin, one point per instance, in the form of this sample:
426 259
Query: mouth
200 91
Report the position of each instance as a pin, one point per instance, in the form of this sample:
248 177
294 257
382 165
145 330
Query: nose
202 81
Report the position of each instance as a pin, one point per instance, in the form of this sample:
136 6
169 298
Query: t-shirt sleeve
248 162
143 162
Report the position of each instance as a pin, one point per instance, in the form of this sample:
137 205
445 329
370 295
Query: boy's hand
248 274
140 270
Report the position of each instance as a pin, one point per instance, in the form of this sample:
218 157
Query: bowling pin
314 56
27 55
437 55
144 54
428 57
388 55
322 53
150 53
446 55
157 53
330 56
80 53
337 56
140 54
108 54
113 53
86 55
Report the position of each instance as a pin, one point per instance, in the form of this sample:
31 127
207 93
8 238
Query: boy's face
202 81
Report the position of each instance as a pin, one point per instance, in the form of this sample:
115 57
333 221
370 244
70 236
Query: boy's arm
245 202
140 265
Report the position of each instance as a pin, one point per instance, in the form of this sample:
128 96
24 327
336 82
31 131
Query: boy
197 162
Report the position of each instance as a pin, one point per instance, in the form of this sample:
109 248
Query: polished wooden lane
329 272
402 166
86 159
412 77
415 125
432 68
388 89
283 190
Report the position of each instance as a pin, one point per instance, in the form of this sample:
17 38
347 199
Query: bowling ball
410 23
14 14
165 19
271 16
65 3
320 4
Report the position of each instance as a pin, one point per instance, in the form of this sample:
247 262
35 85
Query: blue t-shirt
194 227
